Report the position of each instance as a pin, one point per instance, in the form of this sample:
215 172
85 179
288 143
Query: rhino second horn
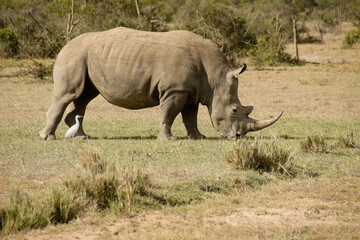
260 124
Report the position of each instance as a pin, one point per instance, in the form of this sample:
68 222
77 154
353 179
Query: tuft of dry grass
348 141
315 144
106 185
91 161
260 156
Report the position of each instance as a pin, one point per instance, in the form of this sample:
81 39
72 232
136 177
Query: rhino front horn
242 69
256 125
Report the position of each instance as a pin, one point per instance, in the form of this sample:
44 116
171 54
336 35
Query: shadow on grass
286 137
150 138
185 138
125 138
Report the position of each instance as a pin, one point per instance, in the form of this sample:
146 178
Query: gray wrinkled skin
135 69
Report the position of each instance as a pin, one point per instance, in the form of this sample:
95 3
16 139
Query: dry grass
316 209
261 157
314 144
347 141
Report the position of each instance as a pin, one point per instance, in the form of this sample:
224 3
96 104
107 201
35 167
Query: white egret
73 130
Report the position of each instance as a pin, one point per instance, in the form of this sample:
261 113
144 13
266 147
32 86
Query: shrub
40 71
260 156
11 41
265 53
314 144
352 37
220 23
272 25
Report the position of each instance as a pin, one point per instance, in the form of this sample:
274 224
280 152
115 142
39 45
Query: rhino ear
239 71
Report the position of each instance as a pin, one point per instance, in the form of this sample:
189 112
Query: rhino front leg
189 115
170 106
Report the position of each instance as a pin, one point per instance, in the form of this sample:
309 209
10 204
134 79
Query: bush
271 23
259 29
266 54
352 37
11 42
221 24
260 156
40 71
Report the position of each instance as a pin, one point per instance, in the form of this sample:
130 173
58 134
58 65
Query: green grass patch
102 174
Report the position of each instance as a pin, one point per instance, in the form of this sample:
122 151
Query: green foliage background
254 28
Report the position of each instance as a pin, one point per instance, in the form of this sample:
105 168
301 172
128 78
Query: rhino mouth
247 125
250 125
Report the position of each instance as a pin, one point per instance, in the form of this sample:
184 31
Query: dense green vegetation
256 28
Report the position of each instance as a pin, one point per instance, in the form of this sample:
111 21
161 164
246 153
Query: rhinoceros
136 69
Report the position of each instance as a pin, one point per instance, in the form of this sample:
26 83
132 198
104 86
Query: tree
71 23
138 9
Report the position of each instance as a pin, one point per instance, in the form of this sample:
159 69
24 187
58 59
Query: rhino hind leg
54 115
69 84
78 107
170 106
189 115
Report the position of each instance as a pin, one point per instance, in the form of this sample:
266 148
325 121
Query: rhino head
228 116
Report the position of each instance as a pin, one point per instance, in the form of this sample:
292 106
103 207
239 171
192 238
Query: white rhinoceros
135 69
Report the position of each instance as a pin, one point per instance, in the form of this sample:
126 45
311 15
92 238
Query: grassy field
199 194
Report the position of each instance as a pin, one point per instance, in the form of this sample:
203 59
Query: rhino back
133 69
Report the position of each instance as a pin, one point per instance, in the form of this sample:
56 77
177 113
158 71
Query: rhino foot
48 136
196 136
